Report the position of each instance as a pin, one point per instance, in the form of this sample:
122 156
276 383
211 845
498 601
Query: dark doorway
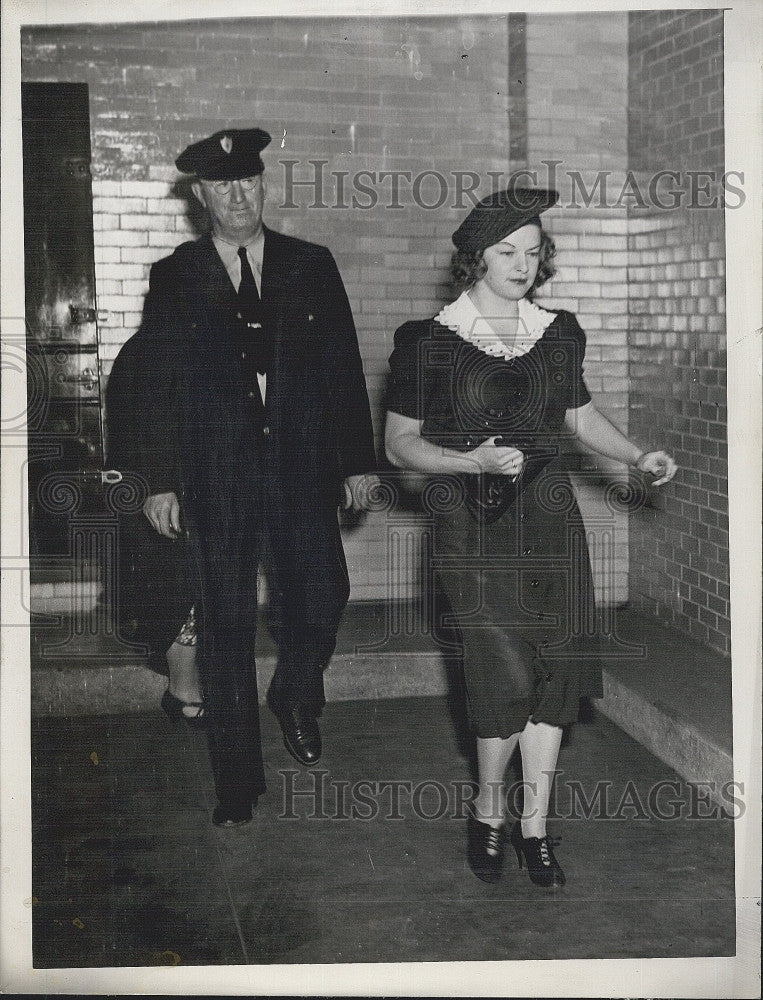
64 404
73 529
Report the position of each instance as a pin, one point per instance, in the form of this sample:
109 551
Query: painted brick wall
382 94
675 113
577 84
432 95
679 545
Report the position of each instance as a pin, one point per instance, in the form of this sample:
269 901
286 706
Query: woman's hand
594 431
659 464
499 459
407 449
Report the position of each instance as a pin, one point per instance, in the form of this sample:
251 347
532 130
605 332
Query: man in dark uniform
241 405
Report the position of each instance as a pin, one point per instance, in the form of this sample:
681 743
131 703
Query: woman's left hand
659 464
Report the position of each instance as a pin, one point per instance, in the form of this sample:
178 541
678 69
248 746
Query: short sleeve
578 392
408 389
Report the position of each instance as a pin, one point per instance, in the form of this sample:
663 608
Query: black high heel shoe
485 849
538 852
174 708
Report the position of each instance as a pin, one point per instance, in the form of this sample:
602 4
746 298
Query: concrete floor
129 871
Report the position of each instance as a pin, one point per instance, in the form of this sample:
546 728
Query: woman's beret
501 213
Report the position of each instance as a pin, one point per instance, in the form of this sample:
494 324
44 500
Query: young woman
489 393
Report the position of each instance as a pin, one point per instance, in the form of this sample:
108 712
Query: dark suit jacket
178 418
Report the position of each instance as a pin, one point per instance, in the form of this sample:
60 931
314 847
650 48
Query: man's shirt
229 256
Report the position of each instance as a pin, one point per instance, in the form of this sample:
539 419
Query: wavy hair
468 266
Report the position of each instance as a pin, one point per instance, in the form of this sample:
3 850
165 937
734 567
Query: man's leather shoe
229 814
301 735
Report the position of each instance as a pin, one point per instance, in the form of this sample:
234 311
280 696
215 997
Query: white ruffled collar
463 317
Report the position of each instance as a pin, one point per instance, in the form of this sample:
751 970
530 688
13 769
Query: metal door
64 387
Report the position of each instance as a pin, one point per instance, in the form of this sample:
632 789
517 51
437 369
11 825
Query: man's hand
163 511
659 464
358 491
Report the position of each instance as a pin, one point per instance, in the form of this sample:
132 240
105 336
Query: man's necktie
250 308
247 290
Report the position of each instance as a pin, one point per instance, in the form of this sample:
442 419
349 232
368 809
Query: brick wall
379 94
679 544
675 110
599 92
677 359
577 83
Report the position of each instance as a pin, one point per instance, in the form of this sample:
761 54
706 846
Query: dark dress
511 558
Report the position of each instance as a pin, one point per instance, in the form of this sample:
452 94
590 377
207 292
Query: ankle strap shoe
538 852
485 849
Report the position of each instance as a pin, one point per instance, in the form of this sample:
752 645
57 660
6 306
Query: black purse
489 496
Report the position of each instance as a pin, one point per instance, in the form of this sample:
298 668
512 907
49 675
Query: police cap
225 156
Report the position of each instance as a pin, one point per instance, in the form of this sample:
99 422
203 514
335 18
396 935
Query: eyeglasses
247 183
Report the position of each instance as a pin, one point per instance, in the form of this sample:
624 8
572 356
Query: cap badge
227 143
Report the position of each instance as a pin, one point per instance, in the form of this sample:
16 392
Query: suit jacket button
534 583
266 430
526 551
